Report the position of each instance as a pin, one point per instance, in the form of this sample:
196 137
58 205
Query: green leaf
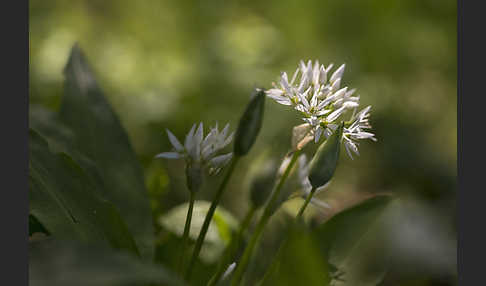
60 263
353 242
61 139
100 137
220 229
64 199
299 261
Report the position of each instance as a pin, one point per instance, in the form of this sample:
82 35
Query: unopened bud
323 165
250 123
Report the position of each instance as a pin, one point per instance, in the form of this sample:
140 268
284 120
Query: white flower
316 95
356 131
198 150
306 186
321 100
228 271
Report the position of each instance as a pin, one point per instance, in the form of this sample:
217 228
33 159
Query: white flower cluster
322 101
356 131
198 150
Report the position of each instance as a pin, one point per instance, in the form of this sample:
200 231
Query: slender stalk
209 217
232 247
267 213
275 264
187 227
307 200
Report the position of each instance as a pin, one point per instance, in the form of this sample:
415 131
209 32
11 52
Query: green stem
187 227
275 264
267 213
307 200
232 247
209 216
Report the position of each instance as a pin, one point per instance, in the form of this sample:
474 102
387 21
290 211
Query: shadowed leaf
353 239
79 264
64 199
99 135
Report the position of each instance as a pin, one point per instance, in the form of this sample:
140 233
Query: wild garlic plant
323 103
200 154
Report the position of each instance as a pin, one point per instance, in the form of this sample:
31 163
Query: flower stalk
267 213
232 247
187 228
306 202
248 129
209 216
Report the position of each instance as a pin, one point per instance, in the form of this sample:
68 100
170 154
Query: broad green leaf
219 232
64 199
100 137
60 263
299 261
61 139
353 242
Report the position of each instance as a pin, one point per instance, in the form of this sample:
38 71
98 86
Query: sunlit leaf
220 229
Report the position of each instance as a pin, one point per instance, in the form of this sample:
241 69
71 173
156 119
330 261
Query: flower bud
250 123
323 165
194 176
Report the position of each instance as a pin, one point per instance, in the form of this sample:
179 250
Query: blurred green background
168 64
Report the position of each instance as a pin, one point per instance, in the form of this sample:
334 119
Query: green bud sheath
250 123
325 160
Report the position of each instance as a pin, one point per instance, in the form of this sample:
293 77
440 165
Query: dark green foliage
79 264
99 136
262 183
353 242
299 260
64 198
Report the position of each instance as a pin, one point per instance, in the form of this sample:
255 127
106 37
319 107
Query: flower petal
174 141
335 114
338 73
228 271
221 160
198 137
188 142
319 203
274 92
335 85
318 134
169 155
